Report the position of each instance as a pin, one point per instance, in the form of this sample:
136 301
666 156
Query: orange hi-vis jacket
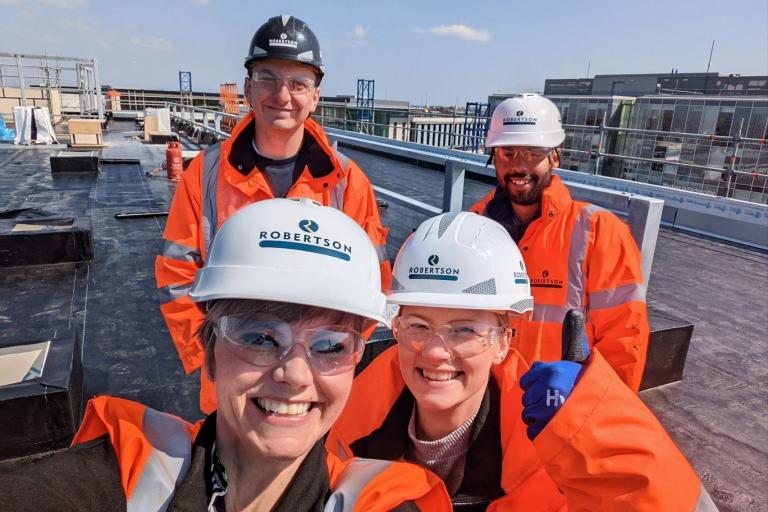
604 449
209 192
581 256
153 451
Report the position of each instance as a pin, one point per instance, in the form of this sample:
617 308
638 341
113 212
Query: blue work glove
546 386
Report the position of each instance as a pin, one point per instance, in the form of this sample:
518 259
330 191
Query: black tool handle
573 337
139 215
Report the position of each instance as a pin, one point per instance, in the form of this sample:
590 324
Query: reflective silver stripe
705 503
616 296
208 192
549 313
337 195
354 479
167 465
342 158
381 252
576 255
180 252
172 292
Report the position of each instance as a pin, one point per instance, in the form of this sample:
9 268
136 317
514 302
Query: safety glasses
462 339
330 349
525 154
268 83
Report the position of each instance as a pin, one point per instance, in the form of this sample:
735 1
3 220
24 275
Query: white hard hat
525 120
296 251
461 260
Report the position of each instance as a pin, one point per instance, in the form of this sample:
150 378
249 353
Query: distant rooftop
641 84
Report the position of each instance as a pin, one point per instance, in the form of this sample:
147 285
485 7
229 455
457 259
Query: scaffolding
185 87
475 126
68 86
365 104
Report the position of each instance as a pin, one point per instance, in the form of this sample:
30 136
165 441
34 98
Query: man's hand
546 386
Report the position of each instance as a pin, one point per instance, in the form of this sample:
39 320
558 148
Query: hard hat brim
460 301
540 139
261 283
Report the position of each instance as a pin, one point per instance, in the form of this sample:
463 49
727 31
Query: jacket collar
556 196
319 178
308 490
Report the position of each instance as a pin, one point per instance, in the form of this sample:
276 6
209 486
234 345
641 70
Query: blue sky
443 52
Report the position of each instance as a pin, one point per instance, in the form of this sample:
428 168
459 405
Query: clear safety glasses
330 349
269 83
525 154
462 339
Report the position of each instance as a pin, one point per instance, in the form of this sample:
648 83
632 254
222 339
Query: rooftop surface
717 414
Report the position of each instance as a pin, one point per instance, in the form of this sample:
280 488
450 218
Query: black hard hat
287 38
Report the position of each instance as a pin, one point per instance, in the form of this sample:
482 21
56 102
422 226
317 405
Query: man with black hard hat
276 150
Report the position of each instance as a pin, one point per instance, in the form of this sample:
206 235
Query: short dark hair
247 309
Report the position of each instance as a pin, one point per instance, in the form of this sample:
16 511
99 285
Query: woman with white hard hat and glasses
454 396
287 289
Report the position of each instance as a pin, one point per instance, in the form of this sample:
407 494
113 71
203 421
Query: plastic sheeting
33 126
163 116
6 134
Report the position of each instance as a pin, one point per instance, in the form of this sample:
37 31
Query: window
581 113
652 121
710 119
693 120
600 116
591 117
741 120
724 121
757 123
666 119
678 122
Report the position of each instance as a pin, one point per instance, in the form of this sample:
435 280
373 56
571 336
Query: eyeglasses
330 349
462 339
526 154
270 83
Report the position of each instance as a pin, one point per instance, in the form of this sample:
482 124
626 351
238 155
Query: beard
532 196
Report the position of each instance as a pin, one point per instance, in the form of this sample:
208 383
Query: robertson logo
520 118
295 241
308 226
284 42
433 272
545 281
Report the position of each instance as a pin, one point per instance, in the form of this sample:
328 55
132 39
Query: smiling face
524 172
277 412
279 110
444 385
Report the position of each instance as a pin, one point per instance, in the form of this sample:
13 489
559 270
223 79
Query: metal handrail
730 178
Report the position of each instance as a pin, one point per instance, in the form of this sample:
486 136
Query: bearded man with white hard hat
578 255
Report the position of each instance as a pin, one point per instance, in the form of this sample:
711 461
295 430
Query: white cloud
85 28
459 31
153 43
82 25
359 35
65 4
